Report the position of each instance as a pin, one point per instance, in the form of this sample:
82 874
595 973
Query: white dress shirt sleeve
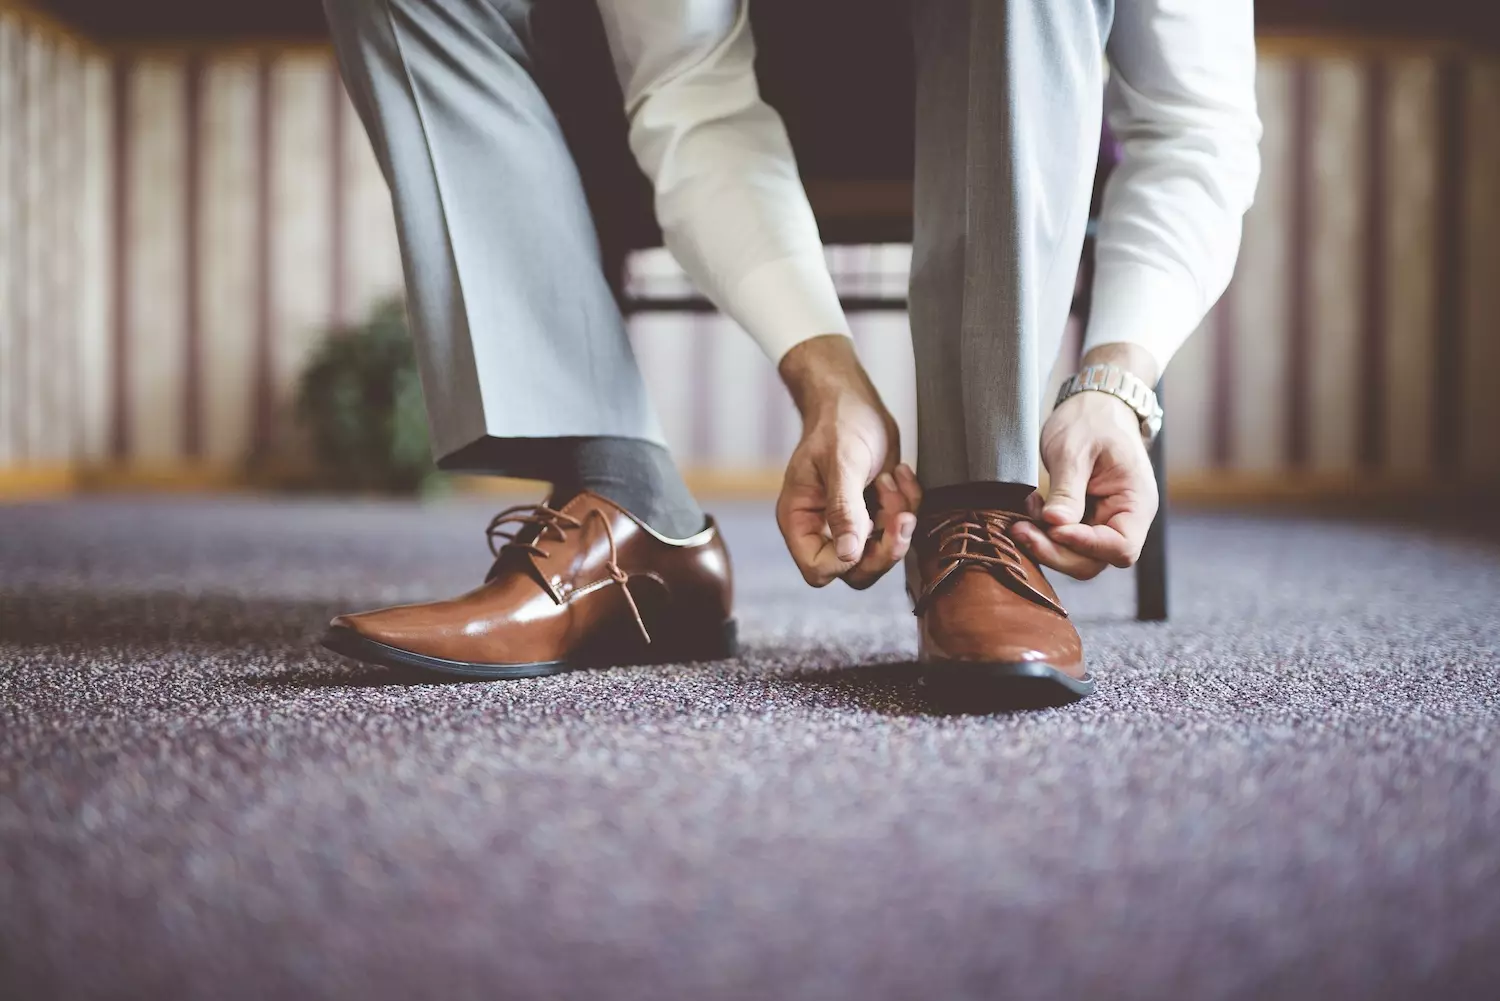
1181 100
728 196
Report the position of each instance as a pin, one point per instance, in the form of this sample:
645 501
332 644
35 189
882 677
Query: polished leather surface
548 599
979 598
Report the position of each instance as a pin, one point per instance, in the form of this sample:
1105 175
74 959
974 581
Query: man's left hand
1103 494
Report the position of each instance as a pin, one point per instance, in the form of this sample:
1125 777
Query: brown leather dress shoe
586 585
986 614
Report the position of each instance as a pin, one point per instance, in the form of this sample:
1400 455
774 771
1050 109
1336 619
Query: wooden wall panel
372 265
737 424
1411 162
884 341
44 218
33 387
1335 233
12 253
1189 393
300 215
155 262
95 263
1253 434
1481 312
228 216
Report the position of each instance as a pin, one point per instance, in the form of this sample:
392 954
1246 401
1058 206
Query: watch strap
1124 386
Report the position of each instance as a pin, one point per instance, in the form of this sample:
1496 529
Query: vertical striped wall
54 197
252 218
1363 320
177 229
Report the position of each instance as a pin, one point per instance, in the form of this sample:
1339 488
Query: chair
841 77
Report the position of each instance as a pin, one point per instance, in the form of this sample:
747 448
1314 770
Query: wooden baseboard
167 479
1198 489
32 482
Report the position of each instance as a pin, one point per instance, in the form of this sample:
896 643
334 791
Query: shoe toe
1008 633
394 627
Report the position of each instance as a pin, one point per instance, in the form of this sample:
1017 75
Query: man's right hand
849 440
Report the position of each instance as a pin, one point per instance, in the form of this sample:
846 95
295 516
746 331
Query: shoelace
548 519
981 537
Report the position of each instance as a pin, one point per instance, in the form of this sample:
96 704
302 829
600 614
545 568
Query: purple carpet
1290 790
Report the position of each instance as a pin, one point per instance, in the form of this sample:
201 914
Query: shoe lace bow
550 521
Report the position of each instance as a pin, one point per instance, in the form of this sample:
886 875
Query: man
527 370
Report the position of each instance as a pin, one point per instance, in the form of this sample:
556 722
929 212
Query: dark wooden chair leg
1151 569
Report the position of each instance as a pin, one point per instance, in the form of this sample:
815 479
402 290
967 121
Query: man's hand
849 440
1103 494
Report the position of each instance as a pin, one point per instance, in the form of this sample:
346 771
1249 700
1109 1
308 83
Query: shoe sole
348 643
1030 684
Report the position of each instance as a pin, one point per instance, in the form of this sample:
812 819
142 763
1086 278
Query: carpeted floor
1291 790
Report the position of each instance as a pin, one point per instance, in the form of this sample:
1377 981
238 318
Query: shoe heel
713 643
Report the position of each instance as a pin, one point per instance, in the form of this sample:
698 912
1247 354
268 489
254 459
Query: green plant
360 401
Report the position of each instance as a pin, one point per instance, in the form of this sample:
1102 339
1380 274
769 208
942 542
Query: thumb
848 520
1070 472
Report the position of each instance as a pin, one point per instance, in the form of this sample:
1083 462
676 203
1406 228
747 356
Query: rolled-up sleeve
1181 101
728 197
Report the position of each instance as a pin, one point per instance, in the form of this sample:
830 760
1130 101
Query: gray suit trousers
1009 100
517 333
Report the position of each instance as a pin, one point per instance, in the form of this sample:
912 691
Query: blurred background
188 206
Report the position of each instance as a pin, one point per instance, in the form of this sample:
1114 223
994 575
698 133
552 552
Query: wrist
821 372
1125 374
1093 408
1131 357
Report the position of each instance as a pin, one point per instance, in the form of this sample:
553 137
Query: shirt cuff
1136 303
787 301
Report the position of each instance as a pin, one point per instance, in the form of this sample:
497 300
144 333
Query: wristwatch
1117 382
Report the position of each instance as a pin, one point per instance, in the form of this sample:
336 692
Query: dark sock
981 496
637 475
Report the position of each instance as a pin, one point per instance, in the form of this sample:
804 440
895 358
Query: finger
1070 467
889 545
1133 520
881 496
878 556
1119 539
1049 554
1100 542
906 482
848 520
888 493
815 558
881 555
1035 502
906 527
800 519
